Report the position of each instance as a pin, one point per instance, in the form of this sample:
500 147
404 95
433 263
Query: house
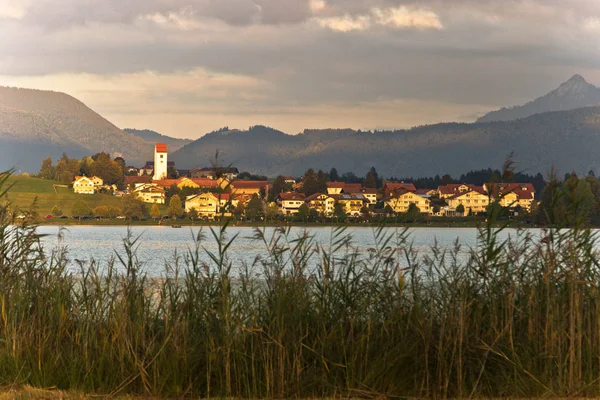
130 181
206 204
150 193
400 203
85 185
290 202
131 170
229 173
249 187
391 187
446 191
369 193
335 187
290 180
474 201
512 194
352 204
342 187
323 203
426 192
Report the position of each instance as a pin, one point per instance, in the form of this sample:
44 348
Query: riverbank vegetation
518 317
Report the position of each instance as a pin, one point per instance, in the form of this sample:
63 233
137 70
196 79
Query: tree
303 212
132 206
388 210
104 167
114 211
338 211
254 209
66 169
239 210
370 180
47 170
278 188
193 214
446 180
310 185
460 209
80 209
155 211
175 210
413 212
333 175
365 211
271 211
321 182
56 211
102 211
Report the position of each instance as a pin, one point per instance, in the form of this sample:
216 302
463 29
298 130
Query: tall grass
519 317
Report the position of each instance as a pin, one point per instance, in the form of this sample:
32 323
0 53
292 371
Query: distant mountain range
35 124
574 93
568 139
153 137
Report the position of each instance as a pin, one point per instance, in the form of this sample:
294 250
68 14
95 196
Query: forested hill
153 137
574 93
568 139
35 124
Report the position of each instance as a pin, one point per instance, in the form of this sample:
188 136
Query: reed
518 317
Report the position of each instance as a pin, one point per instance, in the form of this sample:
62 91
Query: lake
158 245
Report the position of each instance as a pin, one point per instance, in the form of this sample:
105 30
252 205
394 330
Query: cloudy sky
186 67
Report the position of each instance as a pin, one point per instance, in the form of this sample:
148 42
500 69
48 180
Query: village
214 191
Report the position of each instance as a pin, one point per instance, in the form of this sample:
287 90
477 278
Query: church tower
160 161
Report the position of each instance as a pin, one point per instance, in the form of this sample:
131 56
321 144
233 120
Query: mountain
153 137
35 124
574 93
568 139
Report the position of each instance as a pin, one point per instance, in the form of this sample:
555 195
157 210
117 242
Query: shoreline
182 224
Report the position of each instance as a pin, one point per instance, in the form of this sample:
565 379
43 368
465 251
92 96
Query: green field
26 191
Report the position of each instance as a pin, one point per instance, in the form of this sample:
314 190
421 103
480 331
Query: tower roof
161 148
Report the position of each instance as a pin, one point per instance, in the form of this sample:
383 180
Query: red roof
291 196
249 184
392 186
338 185
452 188
205 182
522 190
137 179
161 148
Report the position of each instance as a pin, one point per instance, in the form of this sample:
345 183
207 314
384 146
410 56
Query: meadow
25 191
518 318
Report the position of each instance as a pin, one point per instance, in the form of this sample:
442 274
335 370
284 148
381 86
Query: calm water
159 245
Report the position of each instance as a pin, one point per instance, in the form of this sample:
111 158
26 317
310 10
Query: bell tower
160 161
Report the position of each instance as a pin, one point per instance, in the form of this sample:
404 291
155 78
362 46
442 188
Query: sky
187 67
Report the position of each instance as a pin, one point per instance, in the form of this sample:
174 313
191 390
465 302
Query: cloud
395 17
270 57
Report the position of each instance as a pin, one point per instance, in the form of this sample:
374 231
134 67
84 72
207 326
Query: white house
85 185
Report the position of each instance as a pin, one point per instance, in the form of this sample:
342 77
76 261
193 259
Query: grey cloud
470 61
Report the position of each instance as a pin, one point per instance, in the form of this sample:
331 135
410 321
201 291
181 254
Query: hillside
35 124
152 137
574 93
568 139
26 191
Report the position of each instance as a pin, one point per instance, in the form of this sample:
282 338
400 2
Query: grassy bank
519 318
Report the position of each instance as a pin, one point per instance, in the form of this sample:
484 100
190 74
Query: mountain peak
574 93
576 79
